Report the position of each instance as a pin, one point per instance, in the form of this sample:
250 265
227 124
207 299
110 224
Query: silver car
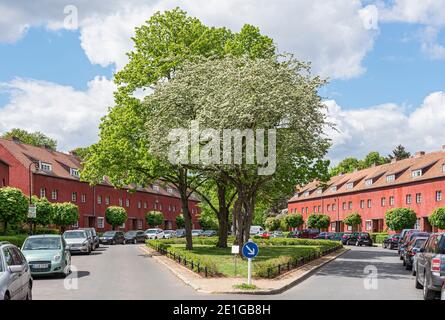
77 241
430 269
15 274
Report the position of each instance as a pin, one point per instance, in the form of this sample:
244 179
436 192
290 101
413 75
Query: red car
265 235
305 234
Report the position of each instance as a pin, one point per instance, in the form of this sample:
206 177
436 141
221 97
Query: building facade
57 179
417 183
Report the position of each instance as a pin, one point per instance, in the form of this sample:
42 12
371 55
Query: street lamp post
36 164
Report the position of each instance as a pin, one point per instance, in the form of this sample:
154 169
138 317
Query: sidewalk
224 285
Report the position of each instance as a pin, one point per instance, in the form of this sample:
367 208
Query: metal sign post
235 252
250 251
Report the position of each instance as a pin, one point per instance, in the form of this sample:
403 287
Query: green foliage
245 286
37 139
351 164
400 218
399 153
354 219
272 223
65 214
318 221
115 216
13 206
44 211
284 225
16 240
437 218
208 221
180 221
154 218
295 220
378 237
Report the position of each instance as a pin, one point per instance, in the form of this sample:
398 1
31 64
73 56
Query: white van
254 230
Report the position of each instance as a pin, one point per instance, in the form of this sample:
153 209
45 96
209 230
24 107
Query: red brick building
57 179
417 183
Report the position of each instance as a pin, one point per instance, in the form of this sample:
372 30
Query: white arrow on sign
251 250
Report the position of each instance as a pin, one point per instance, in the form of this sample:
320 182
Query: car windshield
151 231
109 233
168 231
419 243
42 244
131 233
75 235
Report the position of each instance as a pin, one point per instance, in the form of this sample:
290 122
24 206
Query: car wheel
29 294
413 271
407 266
7 296
135 241
418 285
428 294
113 242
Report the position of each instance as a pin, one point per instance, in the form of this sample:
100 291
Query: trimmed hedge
378 237
15 240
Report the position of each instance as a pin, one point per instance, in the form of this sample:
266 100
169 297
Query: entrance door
427 227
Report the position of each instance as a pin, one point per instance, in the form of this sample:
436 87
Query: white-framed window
45 167
139 204
100 222
368 225
99 199
42 193
76 225
362 204
418 198
139 224
83 198
169 207
328 208
169 190
439 195
122 226
350 185
121 202
174 208
391 200
75 172
344 205
74 197
443 167
319 208
368 182
127 202
390 178
334 188
350 205
54 194
416 173
156 188
319 190
417 225
306 193
145 205
349 228
107 200
333 225
369 203
160 206
334 207
408 199
383 201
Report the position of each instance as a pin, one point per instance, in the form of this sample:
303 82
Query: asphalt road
124 272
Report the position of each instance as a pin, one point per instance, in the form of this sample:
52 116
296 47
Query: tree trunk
183 190
223 217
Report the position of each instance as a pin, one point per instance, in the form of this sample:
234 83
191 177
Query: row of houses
57 179
417 183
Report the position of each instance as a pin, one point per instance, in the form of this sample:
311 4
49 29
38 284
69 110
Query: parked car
277 234
345 237
180 233
197 232
402 239
47 255
90 238
168 234
77 241
337 236
209 233
134 236
15 274
112 237
265 235
442 296
430 266
411 250
96 241
305 234
256 230
154 233
358 239
391 242
324 235
410 235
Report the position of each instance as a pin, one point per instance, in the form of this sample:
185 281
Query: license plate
40 266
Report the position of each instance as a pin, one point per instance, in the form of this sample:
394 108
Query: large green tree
400 218
154 218
437 218
44 212
13 206
162 45
115 216
65 214
37 139
399 153
318 221
295 220
354 220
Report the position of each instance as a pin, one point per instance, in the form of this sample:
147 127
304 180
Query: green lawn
226 263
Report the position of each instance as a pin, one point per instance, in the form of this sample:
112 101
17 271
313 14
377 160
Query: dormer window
319 190
334 188
306 193
45 167
74 172
156 188
350 185
416 173
368 182
390 178
443 167
169 190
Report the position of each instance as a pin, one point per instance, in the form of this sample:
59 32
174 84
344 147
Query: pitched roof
61 164
431 165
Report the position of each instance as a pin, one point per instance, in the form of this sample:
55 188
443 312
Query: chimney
16 140
419 154
443 147
393 160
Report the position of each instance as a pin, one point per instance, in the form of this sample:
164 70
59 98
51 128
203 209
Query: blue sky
387 83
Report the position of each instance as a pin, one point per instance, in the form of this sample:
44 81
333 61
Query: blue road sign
250 250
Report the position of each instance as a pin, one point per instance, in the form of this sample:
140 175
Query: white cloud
331 34
381 128
69 116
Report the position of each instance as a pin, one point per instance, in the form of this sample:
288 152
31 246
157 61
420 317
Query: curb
286 287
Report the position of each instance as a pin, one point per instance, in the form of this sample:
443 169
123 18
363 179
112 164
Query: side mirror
16 269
